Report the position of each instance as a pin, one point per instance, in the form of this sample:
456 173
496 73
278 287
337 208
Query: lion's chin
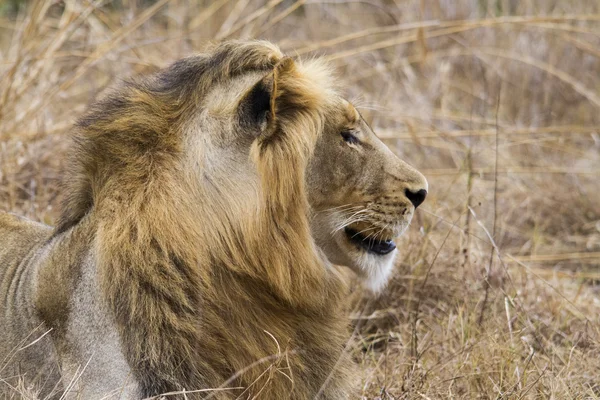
372 267
374 270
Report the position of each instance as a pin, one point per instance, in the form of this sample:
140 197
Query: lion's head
219 118
362 196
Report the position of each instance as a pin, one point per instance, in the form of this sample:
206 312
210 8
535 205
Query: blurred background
497 102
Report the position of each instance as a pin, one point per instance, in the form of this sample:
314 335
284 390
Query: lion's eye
349 137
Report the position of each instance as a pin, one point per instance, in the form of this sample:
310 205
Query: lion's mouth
379 246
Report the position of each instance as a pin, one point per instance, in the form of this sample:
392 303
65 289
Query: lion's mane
200 301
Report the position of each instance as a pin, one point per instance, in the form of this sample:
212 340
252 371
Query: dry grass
497 101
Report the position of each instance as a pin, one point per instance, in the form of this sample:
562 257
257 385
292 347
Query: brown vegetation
496 102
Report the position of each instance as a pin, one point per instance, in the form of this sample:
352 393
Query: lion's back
18 237
20 353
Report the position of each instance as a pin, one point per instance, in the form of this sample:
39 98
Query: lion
206 211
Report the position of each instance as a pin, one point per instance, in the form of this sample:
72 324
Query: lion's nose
416 198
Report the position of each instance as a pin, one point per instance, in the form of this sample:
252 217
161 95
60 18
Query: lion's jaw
338 246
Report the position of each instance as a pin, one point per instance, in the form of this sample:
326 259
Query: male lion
204 208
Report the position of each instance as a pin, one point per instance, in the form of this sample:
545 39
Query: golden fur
187 214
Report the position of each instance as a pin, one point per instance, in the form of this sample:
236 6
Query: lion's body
185 256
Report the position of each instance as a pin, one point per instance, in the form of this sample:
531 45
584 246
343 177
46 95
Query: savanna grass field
496 292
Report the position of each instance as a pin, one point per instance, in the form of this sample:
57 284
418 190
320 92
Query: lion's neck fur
254 300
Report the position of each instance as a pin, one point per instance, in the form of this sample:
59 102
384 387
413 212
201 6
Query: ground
497 102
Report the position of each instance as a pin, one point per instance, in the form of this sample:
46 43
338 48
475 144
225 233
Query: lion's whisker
350 209
365 230
340 227
344 206
348 222
356 217
354 214
383 229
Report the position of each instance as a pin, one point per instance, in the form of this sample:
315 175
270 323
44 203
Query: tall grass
497 102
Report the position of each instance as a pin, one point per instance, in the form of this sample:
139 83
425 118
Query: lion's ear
257 109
